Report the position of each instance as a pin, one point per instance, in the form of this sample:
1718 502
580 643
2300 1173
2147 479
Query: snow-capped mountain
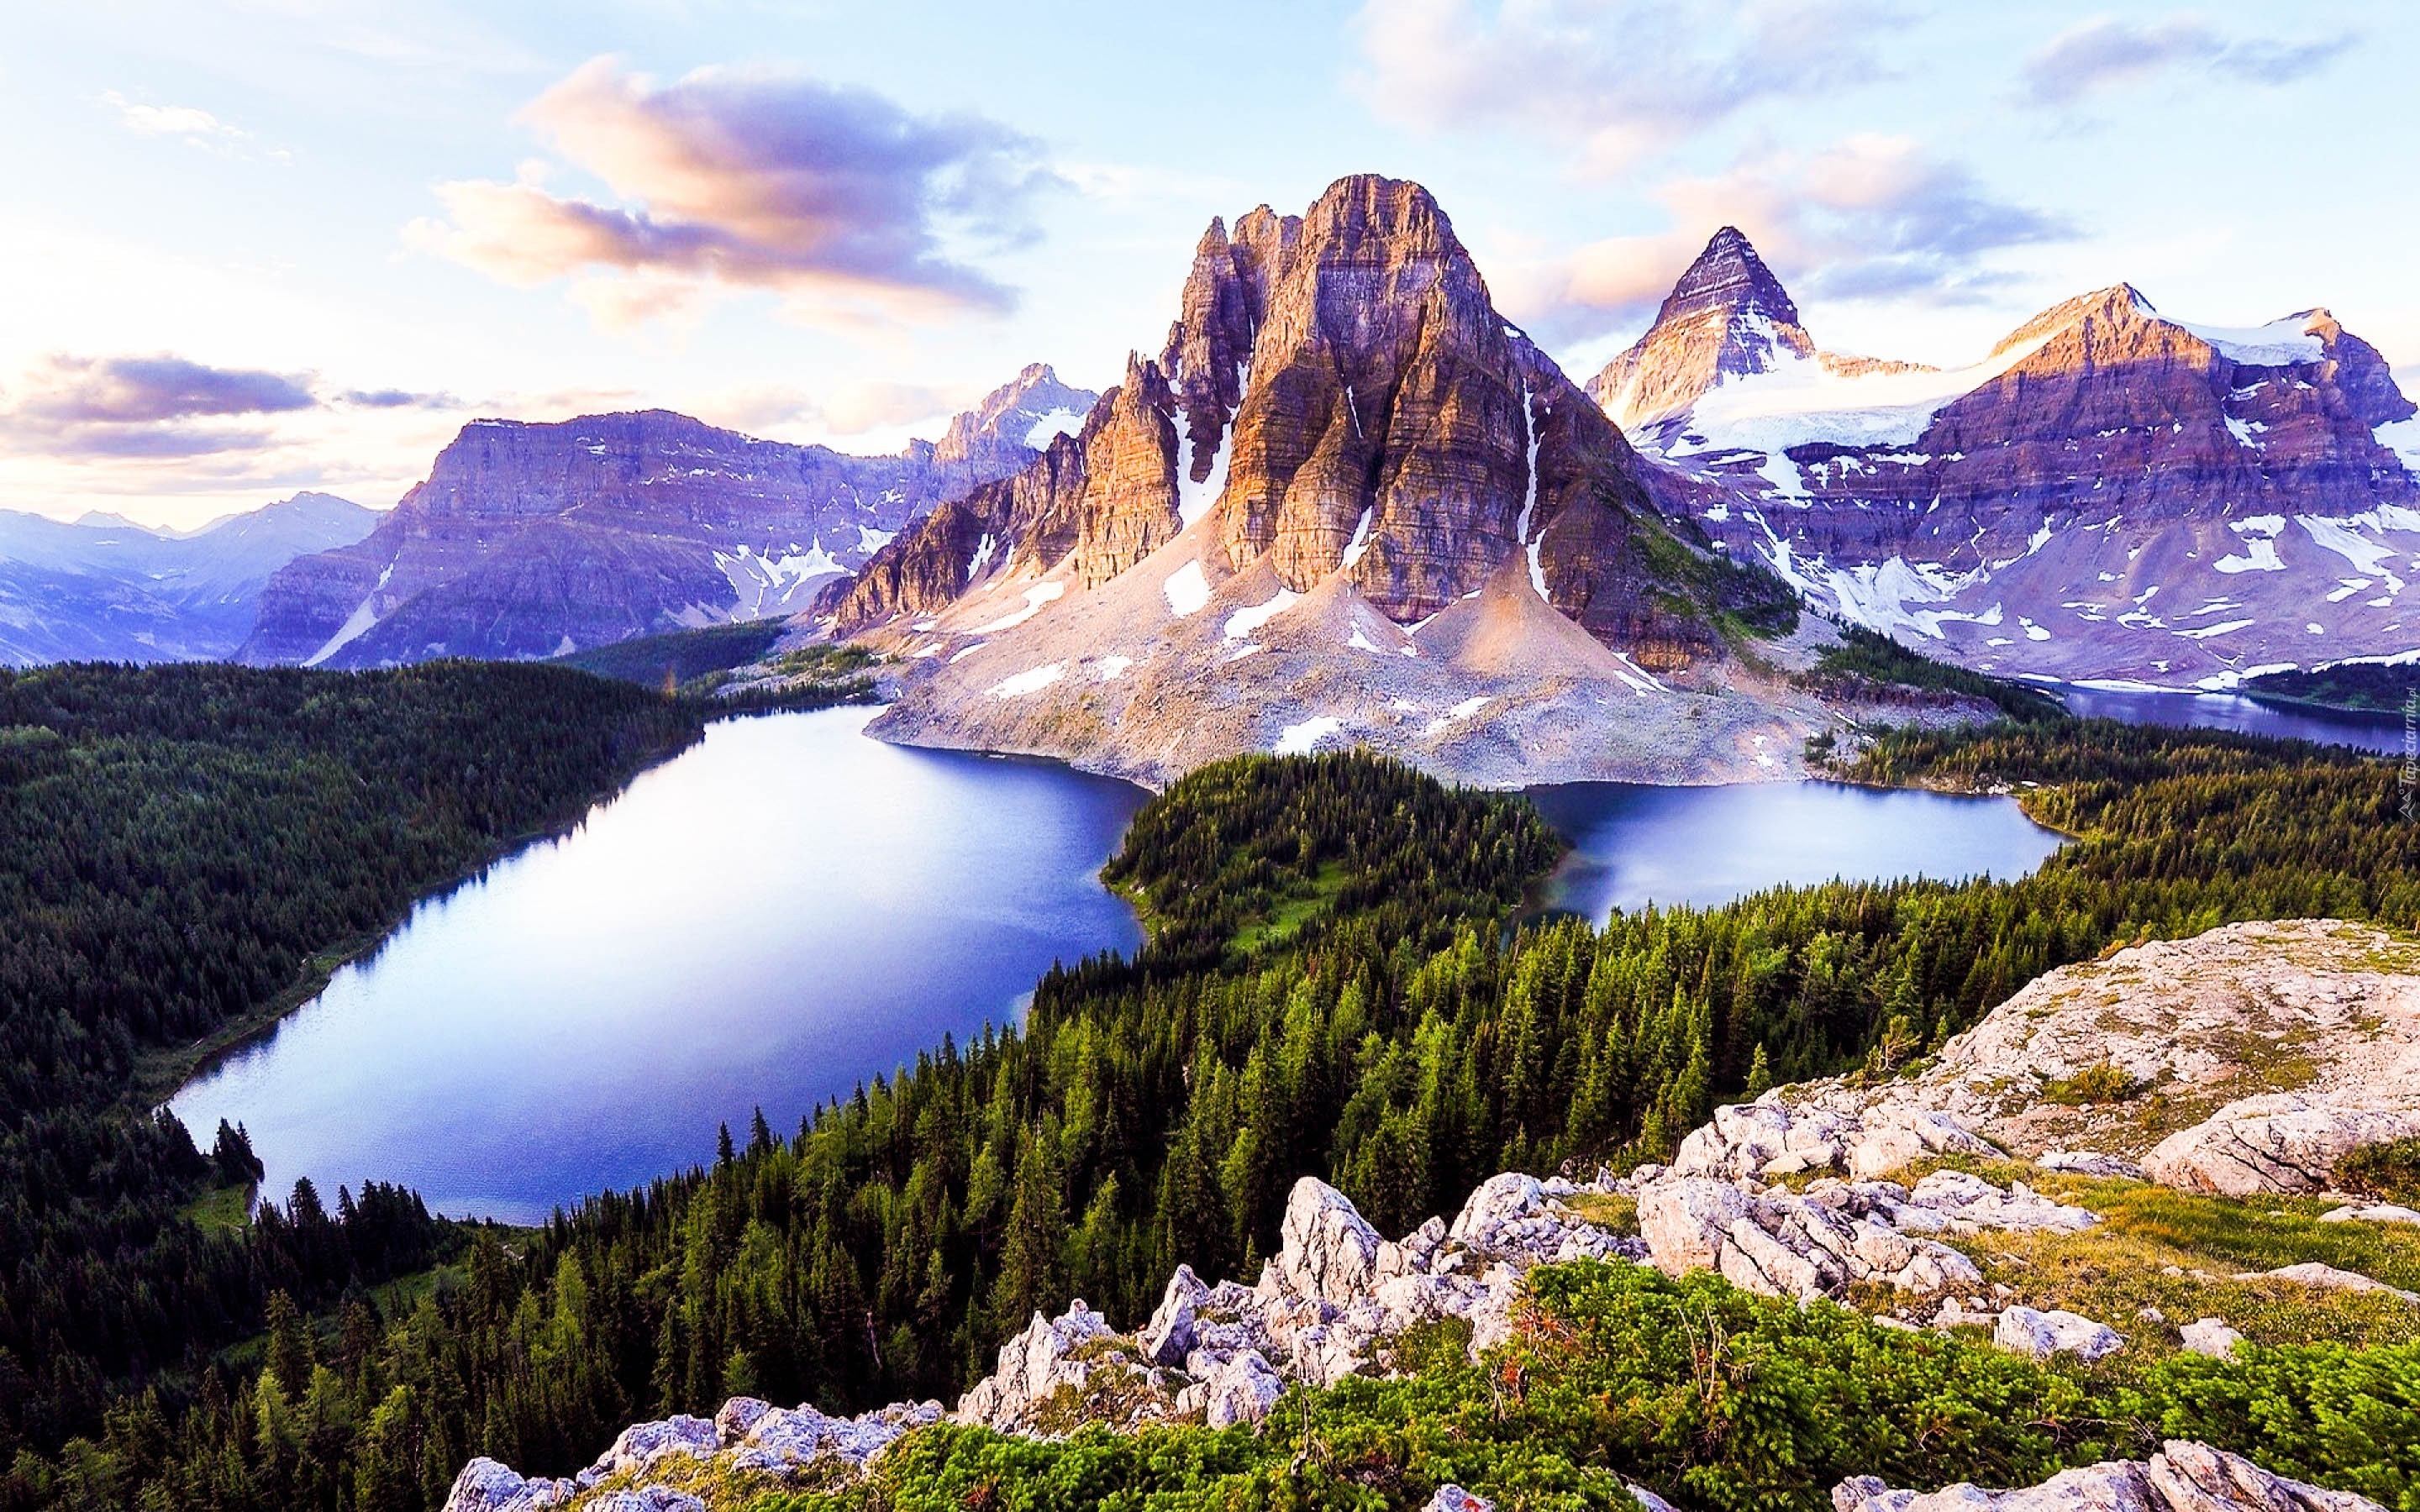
2109 494
107 589
532 540
1344 502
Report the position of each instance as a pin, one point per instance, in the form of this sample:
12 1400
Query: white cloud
1610 80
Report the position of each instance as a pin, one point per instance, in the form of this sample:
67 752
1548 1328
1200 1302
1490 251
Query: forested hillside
181 850
1334 998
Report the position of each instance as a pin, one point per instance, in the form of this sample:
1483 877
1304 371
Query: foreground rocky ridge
532 540
1832 1190
2110 494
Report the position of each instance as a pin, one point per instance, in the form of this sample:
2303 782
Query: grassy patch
1609 1210
1286 919
221 1210
2103 1083
2114 1270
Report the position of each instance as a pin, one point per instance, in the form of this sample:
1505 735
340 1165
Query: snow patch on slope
1187 589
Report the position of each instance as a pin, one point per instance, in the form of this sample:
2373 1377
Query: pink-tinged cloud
836 197
1866 217
143 406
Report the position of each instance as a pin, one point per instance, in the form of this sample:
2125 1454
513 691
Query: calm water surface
2232 711
1634 844
779 912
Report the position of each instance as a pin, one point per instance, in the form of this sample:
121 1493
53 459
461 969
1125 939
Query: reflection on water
779 912
1634 844
2233 711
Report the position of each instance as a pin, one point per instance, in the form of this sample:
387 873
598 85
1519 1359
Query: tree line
1405 1034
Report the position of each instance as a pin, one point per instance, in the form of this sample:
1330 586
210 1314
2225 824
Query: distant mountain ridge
2111 494
105 589
533 539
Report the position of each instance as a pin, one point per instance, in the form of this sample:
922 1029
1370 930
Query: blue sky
254 247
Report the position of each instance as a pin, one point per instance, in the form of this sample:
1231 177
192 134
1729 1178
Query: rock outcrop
529 540
1324 1308
2265 1051
2181 1477
2110 493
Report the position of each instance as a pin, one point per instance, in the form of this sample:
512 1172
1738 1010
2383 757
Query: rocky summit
1345 502
537 539
1863 1191
2110 494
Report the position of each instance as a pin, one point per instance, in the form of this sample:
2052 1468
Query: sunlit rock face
529 540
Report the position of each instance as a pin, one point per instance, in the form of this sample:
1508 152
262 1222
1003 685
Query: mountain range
535 540
105 589
2110 494
1345 502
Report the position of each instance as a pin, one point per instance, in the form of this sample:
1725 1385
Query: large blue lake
790 908
764 921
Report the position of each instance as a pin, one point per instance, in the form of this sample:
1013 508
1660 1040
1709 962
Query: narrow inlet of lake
1633 844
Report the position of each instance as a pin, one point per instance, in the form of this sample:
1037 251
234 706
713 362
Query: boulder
1328 1250
1240 1391
2312 1273
2377 1212
486 1485
641 1443
1452 1498
2090 1162
1169 1336
647 1499
2210 1336
2181 1477
2040 1335
1033 1366
2277 1142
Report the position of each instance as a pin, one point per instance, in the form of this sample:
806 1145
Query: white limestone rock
2327 1277
1240 1391
2277 1142
2029 1330
641 1443
1452 1498
2376 1212
486 1485
1328 1250
1033 1366
1169 1336
2181 1477
2090 1162
2210 1336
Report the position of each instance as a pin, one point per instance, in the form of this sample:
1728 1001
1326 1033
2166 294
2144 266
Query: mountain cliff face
2109 494
528 540
107 589
1341 441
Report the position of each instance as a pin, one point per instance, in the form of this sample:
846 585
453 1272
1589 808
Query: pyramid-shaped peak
1729 276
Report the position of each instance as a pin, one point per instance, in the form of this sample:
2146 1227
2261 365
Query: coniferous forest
1342 979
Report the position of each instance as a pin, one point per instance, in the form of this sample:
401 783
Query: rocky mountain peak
1727 317
1729 277
1014 420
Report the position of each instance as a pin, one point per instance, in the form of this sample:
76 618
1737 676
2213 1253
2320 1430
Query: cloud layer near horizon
836 197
